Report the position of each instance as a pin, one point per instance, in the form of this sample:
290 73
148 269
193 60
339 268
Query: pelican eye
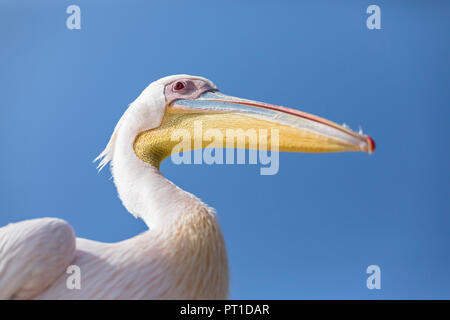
178 86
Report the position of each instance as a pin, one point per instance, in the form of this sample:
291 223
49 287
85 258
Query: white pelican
182 255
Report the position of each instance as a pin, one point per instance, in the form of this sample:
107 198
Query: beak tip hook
371 145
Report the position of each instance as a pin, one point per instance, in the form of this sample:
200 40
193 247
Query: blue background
311 230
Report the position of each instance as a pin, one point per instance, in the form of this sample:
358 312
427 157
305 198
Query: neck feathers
184 240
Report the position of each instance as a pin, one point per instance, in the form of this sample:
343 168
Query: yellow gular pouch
232 129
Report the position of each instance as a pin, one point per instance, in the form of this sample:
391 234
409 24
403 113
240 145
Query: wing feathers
33 254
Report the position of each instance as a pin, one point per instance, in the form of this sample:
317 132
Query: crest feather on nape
107 154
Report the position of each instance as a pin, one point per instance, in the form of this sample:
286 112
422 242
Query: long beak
298 131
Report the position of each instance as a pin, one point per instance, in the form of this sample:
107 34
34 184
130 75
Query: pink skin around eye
186 89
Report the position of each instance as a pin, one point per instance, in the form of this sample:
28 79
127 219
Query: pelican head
178 101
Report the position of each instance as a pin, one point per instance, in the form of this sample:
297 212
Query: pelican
182 255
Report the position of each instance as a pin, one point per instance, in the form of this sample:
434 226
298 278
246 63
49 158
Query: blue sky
308 232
